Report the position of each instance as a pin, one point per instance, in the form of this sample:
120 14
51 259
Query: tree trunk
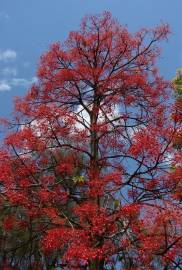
96 265
94 167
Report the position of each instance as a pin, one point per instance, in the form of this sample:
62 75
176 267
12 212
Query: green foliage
79 179
116 204
177 82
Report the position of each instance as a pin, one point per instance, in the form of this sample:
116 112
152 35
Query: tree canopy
89 175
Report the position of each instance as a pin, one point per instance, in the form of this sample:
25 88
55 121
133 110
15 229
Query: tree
177 83
87 169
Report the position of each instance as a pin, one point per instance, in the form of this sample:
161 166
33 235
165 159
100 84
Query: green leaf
78 179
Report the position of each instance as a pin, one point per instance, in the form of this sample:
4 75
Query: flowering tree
89 176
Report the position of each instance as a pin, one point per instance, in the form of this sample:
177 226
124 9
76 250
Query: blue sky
27 28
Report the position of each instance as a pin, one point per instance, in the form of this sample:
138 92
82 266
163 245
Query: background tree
88 165
177 83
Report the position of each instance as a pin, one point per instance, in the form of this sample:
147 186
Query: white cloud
23 82
4 87
19 82
34 79
9 71
83 117
8 84
7 55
